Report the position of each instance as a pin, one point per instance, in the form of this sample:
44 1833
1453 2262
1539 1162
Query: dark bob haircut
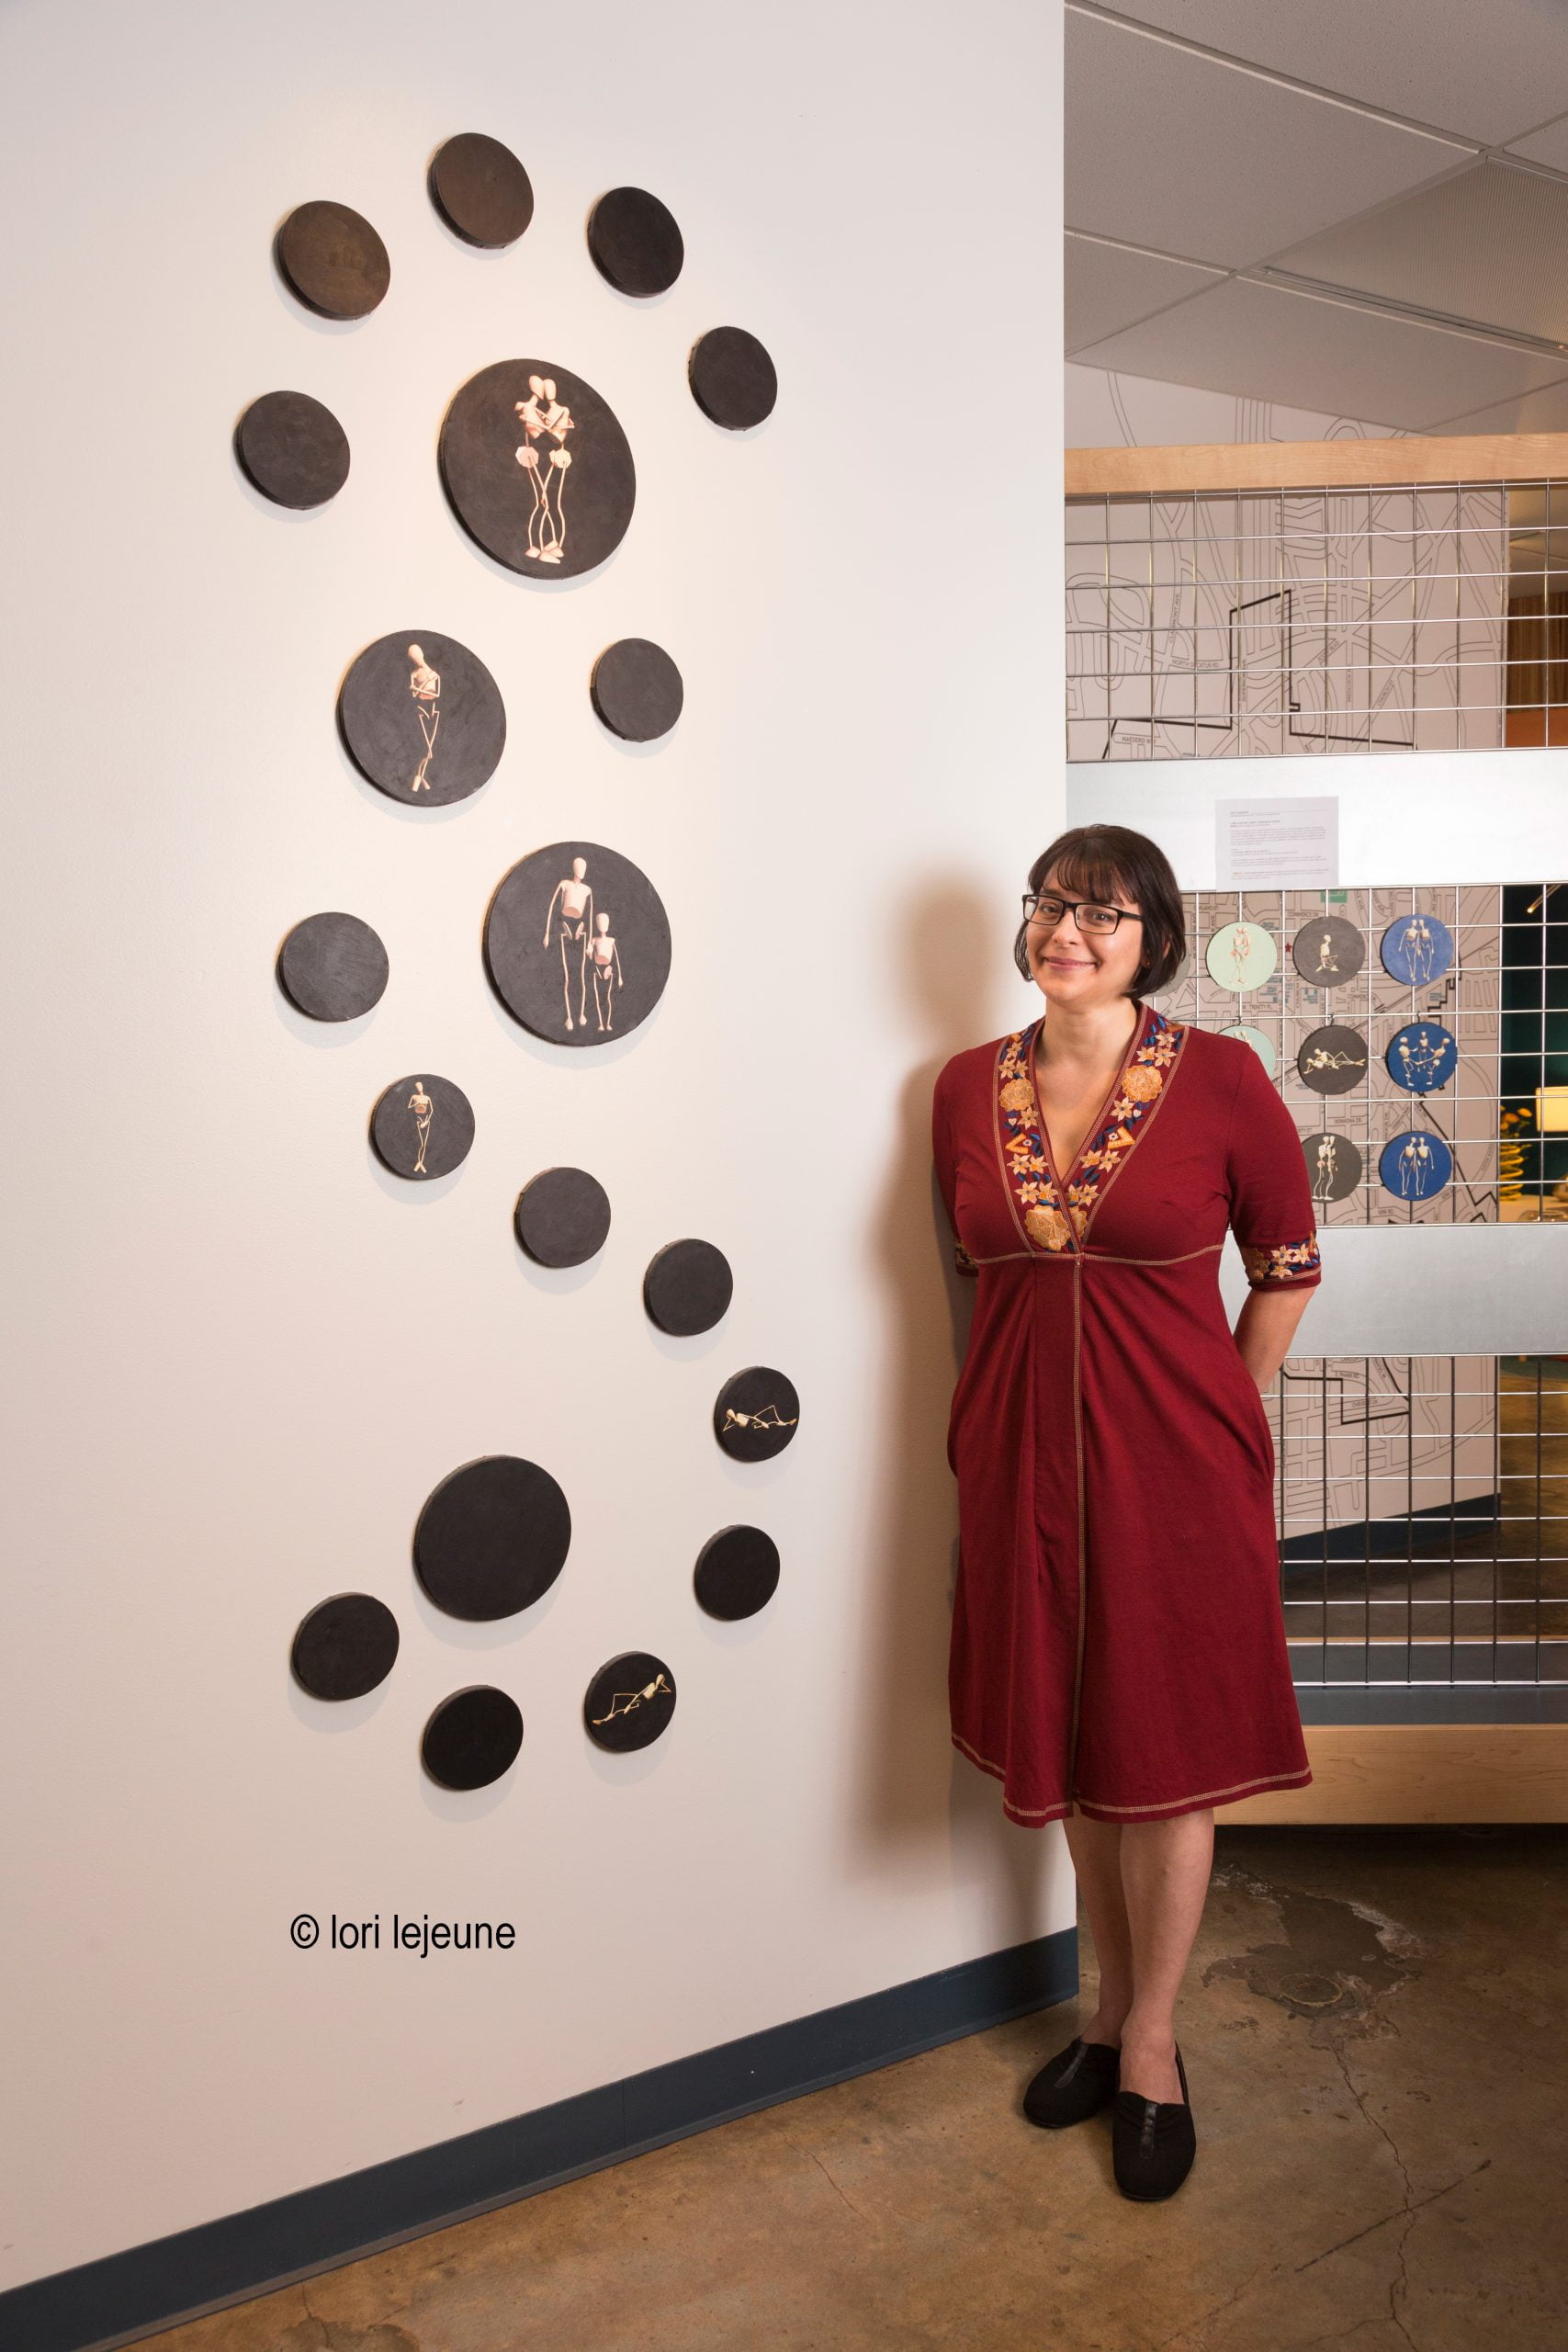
1108 863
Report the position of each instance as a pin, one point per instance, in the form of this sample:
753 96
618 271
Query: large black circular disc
636 689
688 1287
635 242
422 1126
492 1538
756 1414
472 1738
423 718
562 972
1328 951
630 1701
345 1647
736 1572
333 967
562 1218
293 449
1333 1060
334 260
480 190
732 379
543 518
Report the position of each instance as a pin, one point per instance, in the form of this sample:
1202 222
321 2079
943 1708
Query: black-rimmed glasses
1045 907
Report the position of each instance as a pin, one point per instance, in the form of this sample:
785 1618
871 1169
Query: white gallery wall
240 1355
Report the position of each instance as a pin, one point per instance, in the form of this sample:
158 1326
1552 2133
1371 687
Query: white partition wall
240 1355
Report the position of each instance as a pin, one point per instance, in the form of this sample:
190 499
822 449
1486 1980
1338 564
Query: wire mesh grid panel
1423 1513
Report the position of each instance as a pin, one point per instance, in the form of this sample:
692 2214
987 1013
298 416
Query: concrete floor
1375 2046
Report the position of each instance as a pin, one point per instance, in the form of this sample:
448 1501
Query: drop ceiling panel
1547 146
1265 344
1489 72
1487 245
1535 413
1108 288
1181 153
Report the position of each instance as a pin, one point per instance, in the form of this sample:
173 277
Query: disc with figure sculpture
577 943
630 1701
422 1126
423 718
537 469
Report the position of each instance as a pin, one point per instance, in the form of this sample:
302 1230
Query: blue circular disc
1417 949
1415 1165
1422 1056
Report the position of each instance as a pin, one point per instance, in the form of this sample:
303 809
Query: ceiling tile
1548 146
1489 72
1177 151
1268 345
1487 245
1545 412
1109 286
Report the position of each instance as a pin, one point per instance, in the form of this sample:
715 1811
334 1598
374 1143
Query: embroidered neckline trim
1051 1224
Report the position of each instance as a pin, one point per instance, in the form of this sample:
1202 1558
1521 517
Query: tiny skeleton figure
1322 1059
1423 1064
575 898
424 685
1241 952
1415 945
1325 962
1414 1168
768 1418
626 1700
1323 1180
605 957
424 1111
543 417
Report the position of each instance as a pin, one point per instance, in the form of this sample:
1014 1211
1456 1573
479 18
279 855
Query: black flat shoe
1077 2082
1153 2141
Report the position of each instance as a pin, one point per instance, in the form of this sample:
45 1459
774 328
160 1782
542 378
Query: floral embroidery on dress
1050 1223
1285 1261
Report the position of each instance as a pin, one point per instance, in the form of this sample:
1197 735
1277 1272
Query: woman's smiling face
1083 966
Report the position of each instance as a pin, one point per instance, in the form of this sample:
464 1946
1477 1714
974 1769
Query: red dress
1118 1641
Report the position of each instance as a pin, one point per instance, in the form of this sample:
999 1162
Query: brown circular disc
480 190
333 259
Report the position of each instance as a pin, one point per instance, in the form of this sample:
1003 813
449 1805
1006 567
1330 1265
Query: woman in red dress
1118 1658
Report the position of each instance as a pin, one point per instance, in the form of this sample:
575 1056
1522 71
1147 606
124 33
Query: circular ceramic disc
422 1126
294 450
423 718
480 190
1422 1056
630 1701
636 690
333 967
345 1647
472 1738
1334 1059
501 444
334 260
1415 1165
580 959
1328 951
1334 1164
1241 956
492 1538
635 241
756 1414
736 1572
1417 949
1261 1043
562 1218
688 1288
733 381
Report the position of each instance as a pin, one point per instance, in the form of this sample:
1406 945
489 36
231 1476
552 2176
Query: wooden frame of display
1393 462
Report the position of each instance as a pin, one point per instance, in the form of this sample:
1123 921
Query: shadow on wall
915 1784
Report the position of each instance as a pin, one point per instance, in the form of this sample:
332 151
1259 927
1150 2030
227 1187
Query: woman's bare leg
1165 1880
1095 1847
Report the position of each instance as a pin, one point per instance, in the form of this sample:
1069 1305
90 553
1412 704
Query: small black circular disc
562 1217
422 1126
636 689
635 241
1334 1163
334 260
472 1738
756 1415
688 1287
736 1572
492 1538
480 190
345 1647
294 450
1328 951
733 381
1333 1061
577 943
537 469
423 718
630 1701
333 967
